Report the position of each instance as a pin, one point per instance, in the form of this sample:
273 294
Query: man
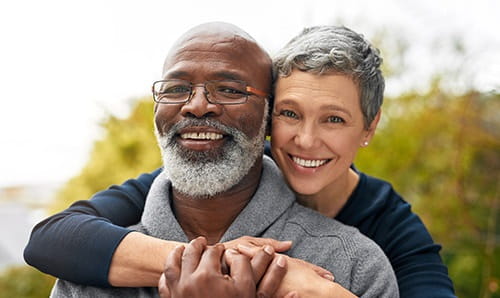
211 118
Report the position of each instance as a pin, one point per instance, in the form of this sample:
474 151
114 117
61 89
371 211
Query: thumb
319 270
323 273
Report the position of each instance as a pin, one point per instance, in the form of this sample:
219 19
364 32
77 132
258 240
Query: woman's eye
288 113
335 119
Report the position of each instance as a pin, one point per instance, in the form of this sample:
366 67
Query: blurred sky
65 65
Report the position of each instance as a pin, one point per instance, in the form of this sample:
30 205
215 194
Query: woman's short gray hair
339 50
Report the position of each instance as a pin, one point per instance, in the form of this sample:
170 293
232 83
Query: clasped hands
245 267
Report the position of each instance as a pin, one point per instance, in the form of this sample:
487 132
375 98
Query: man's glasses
226 92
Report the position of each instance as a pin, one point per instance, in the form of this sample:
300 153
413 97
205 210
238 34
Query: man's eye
176 89
335 119
289 114
229 90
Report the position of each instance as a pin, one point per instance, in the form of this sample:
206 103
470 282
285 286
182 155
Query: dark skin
213 53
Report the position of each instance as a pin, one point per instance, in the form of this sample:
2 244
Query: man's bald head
217 37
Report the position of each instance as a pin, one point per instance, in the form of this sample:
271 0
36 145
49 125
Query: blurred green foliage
25 282
442 153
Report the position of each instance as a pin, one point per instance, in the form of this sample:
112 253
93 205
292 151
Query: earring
365 144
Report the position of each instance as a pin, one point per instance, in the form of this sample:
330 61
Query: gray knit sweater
357 263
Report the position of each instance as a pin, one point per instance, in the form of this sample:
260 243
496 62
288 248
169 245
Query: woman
328 95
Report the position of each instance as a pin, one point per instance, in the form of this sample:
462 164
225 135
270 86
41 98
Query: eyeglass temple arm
257 91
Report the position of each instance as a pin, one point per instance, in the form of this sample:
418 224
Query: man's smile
201 136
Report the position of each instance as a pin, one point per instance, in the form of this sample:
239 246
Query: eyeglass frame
248 89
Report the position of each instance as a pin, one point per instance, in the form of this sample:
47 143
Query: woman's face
317 128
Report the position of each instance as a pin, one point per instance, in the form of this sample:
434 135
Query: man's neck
211 217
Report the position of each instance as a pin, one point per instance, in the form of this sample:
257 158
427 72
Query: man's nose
199 106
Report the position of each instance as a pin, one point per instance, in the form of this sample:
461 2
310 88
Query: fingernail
329 277
269 250
281 262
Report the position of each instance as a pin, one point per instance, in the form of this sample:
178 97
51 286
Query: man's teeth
201 136
309 163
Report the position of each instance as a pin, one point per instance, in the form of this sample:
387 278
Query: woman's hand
302 279
251 251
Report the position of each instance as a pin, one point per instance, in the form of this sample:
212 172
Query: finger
240 268
162 287
249 251
173 266
192 255
261 261
273 277
279 246
211 258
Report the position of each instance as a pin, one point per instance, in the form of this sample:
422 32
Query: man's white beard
205 174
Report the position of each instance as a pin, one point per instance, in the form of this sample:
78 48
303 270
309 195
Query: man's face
208 148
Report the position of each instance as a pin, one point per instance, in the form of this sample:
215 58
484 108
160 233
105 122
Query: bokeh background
76 114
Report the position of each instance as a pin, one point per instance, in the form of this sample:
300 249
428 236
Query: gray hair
336 49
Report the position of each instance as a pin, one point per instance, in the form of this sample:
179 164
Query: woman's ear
370 132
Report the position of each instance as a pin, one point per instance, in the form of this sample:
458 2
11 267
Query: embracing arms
87 244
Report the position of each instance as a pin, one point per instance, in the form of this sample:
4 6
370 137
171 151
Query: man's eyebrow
228 75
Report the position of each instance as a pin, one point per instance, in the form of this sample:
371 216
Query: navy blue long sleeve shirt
78 243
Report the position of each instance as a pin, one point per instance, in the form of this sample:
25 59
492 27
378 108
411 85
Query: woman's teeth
309 163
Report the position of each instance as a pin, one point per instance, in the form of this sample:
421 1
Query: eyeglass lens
177 91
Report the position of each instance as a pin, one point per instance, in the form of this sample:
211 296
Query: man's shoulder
356 261
314 225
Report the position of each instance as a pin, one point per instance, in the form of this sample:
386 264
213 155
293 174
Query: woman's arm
78 243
